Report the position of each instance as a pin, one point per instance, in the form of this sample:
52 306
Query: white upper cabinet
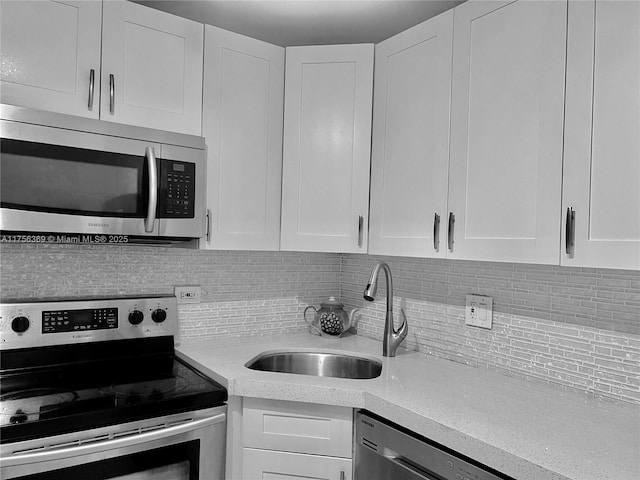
151 68
113 60
507 131
50 55
242 125
327 146
410 157
602 136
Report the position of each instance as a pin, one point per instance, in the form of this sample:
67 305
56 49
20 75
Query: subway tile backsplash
569 328
242 292
599 298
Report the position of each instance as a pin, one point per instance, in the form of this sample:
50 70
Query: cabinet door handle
360 229
570 231
92 83
450 231
153 189
208 235
342 475
436 232
112 93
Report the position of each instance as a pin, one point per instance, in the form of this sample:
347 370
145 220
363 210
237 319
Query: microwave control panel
177 189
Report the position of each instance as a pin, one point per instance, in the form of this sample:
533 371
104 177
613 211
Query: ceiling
308 22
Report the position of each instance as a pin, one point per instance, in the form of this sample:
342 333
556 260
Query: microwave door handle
153 190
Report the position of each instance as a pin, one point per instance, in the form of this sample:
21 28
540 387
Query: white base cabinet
284 439
266 464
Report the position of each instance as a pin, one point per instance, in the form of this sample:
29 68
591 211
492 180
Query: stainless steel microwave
60 173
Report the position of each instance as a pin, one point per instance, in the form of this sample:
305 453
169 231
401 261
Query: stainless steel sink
318 364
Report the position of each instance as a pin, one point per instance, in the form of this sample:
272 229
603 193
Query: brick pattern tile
242 292
598 298
569 328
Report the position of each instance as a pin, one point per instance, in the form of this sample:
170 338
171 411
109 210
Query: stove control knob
20 324
136 317
159 315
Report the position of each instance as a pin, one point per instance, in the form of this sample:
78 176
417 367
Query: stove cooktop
43 401
75 364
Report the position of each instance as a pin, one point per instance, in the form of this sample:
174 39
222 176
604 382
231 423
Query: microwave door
77 182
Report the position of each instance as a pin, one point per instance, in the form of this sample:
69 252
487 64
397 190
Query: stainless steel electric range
91 388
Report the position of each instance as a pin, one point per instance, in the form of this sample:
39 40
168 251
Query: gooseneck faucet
392 337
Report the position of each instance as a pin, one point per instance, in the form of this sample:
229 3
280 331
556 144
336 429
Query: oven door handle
122 442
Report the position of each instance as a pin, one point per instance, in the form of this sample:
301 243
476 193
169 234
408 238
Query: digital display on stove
83 317
60 321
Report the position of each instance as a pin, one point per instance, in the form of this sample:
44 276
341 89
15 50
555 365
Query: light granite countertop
526 430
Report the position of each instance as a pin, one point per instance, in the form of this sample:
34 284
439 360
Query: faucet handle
404 328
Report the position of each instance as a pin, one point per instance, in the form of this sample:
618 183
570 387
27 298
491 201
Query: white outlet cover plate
479 311
188 294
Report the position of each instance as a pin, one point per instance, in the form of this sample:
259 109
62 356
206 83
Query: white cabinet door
289 440
602 135
48 53
410 158
298 427
242 124
507 130
327 145
270 465
151 68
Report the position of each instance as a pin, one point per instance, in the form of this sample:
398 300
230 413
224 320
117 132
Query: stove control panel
79 320
61 322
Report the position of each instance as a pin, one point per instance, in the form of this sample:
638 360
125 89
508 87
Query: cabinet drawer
268 464
297 427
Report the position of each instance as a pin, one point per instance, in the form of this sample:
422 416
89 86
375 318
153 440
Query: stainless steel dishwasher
388 452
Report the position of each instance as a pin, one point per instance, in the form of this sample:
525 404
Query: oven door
178 447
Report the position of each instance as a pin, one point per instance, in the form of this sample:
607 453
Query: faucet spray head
370 291
372 287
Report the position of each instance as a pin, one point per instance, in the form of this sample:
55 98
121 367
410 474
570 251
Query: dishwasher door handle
410 466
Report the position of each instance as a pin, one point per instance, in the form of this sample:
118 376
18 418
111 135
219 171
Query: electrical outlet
479 311
188 294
